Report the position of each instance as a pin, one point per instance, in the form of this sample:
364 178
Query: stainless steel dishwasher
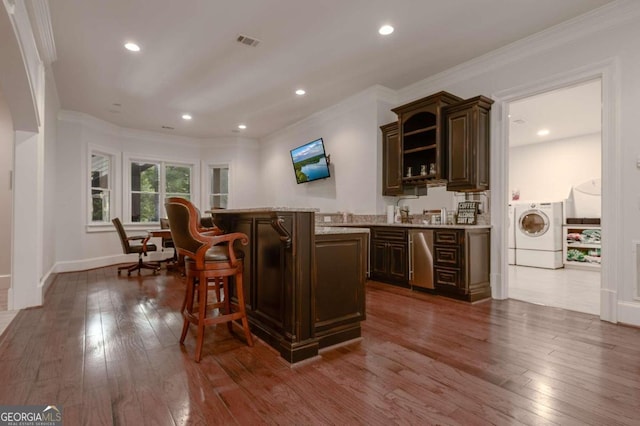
421 258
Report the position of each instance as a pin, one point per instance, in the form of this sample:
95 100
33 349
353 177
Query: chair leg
202 313
227 302
187 308
218 282
155 266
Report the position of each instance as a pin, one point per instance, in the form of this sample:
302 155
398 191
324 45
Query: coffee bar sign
467 213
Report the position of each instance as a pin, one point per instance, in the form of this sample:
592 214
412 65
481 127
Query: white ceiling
566 113
190 60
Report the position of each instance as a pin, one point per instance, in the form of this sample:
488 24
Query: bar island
304 286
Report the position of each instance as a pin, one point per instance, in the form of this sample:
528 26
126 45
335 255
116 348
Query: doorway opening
554 197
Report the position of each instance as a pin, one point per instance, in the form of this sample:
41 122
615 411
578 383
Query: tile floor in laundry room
572 289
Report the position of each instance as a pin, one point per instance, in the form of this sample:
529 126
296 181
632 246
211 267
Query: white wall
79 246
6 198
242 155
546 171
33 102
352 139
52 106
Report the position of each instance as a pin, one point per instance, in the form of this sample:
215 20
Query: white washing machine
511 236
538 235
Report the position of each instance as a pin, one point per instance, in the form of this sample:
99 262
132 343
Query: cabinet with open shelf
420 128
581 246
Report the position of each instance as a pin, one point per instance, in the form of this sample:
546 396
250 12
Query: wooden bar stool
210 260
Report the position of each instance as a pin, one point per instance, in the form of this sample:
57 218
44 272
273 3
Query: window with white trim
219 186
150 182
101 184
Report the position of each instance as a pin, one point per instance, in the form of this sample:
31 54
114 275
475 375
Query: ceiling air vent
168 127
249 41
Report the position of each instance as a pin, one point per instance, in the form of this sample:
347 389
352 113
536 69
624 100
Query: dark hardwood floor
106 350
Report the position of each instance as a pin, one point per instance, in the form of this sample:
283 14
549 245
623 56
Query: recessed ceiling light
385 30
132 47
543 132
300 92
186 116
242 126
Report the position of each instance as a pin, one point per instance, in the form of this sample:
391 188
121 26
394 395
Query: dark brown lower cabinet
462 262
389 251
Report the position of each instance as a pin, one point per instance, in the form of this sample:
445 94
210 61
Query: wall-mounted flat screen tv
310 162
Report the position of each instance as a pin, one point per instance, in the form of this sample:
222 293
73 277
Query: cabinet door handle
410 258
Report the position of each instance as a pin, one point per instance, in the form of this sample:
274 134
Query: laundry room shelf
581 247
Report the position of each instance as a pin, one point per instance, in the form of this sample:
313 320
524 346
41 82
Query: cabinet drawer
448 255
447 277
389 234
450 236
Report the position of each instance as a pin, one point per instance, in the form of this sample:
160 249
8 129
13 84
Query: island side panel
270 278
341 265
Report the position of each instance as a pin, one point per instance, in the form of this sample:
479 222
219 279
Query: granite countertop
263 209
408 225
329 230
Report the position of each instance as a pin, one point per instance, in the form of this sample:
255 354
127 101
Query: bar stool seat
210 262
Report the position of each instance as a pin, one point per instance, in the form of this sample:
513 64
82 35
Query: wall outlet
327 219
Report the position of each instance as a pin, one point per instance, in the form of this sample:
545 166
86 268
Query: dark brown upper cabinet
391 160
467 139
422 155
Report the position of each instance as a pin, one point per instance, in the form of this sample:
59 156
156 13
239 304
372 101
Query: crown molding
99 125
42 29
367 96
229 142
385 94
111 129
600 19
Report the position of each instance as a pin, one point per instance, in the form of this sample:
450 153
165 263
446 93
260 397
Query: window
101 177
145 192
178 181
219 186
151 182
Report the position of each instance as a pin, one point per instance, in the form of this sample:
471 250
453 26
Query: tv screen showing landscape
310 162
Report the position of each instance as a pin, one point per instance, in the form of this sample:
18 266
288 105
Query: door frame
608 73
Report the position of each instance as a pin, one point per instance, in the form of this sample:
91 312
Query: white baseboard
609 305
629 313
84 264
99 262
5 281
497 287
